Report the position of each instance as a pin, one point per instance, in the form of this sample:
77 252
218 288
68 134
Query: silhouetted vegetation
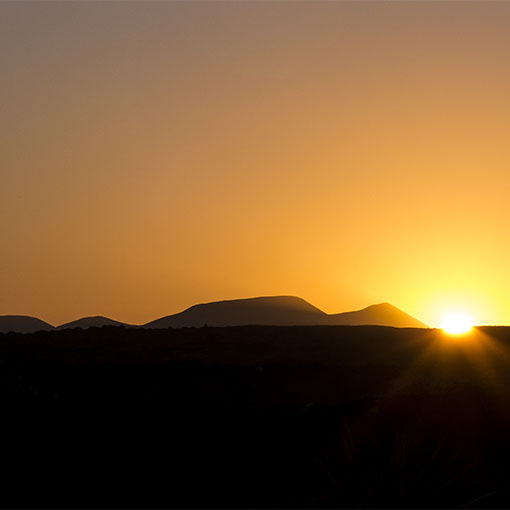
255 417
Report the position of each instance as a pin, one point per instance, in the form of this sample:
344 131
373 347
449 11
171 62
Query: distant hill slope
267 311
281 311
382 314
91 322
270 311
22 324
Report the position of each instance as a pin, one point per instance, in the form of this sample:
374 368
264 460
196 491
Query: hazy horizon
156 155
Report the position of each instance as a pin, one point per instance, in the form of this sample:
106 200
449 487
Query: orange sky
156 155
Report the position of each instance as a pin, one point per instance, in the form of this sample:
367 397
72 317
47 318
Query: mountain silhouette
22 324
382 314
282 311
269 311
265 311
91 322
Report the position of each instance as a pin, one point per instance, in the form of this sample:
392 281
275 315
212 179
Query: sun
457 324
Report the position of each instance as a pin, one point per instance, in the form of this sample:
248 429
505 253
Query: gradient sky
156 155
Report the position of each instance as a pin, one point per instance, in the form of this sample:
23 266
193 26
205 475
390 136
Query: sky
154 155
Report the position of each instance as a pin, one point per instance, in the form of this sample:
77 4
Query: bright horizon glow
457 324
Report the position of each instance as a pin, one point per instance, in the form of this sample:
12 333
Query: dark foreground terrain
255 417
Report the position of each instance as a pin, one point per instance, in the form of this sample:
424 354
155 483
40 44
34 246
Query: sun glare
456 324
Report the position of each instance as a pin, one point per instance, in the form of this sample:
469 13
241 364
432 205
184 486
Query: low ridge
91 322
265 310
22 324
282 311
383 314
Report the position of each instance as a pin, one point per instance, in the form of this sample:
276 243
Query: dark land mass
282 311
91 322
255 417
267 311
382 314
22 324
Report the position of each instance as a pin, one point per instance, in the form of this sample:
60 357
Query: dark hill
22 324
91 322
269 311
282 311
382 314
